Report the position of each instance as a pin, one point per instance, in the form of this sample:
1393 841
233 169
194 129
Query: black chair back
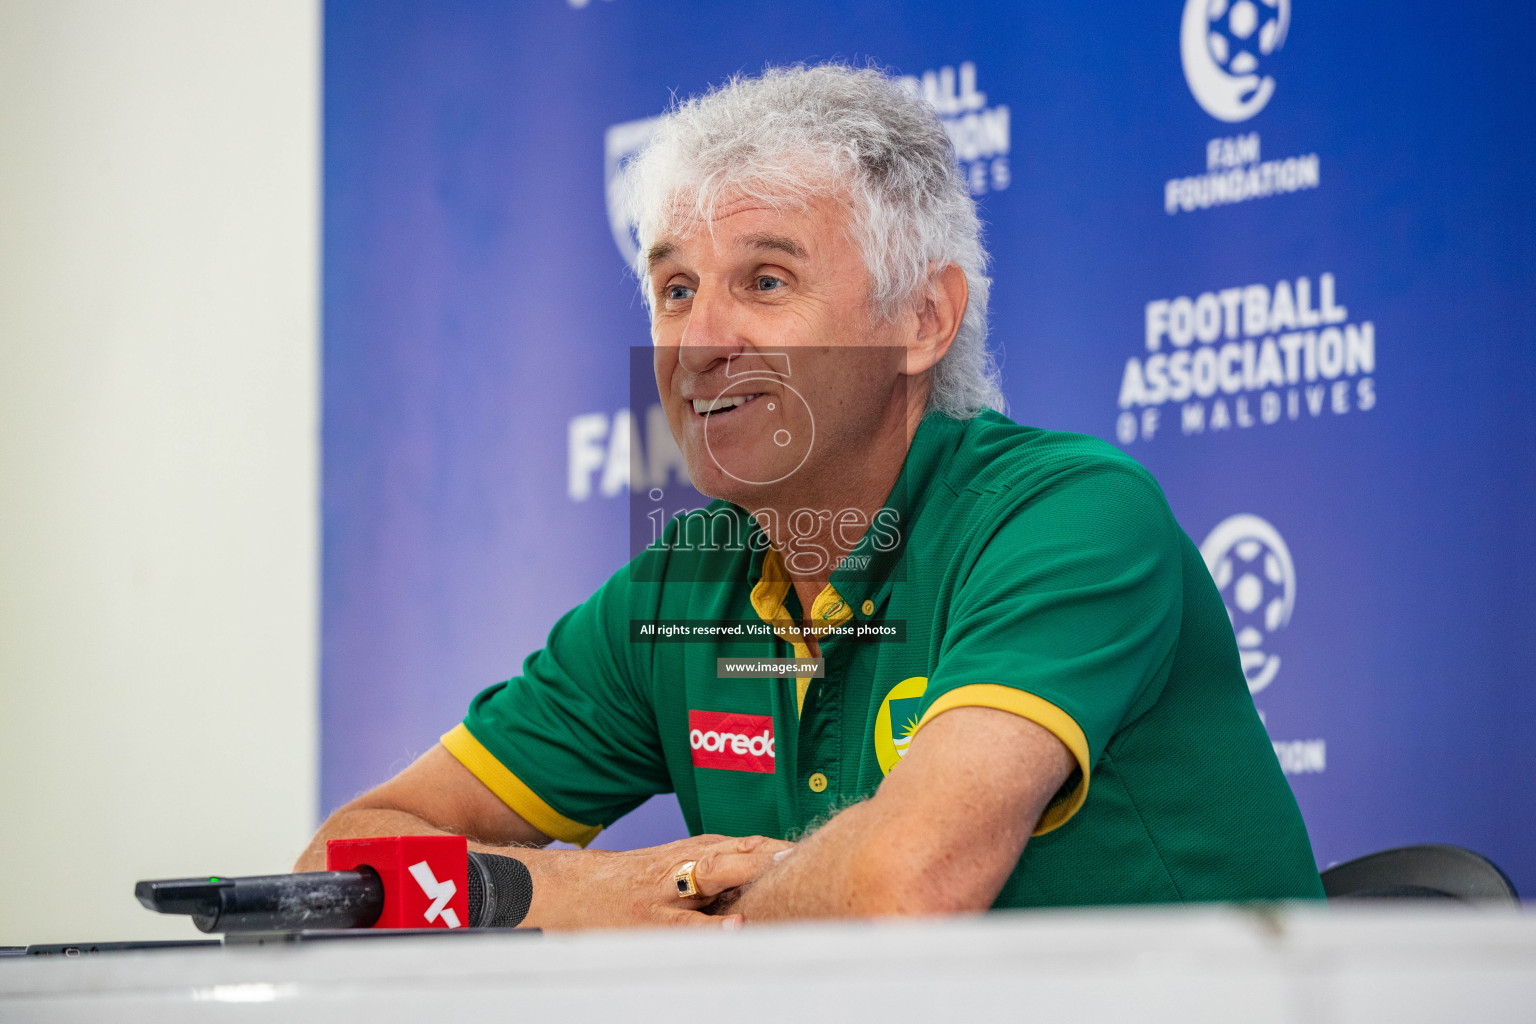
1421 872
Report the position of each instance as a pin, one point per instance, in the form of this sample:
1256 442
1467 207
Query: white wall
159 181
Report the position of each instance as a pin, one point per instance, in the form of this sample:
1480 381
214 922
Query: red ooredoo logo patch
738 743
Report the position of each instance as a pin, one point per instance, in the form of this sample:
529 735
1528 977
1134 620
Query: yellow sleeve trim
513 791
1038 710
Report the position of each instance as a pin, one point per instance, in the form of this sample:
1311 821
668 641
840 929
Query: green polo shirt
1039 573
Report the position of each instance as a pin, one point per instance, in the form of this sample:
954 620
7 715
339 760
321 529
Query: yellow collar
768 596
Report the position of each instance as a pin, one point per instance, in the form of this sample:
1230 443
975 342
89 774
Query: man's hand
600 889
941 835
571 888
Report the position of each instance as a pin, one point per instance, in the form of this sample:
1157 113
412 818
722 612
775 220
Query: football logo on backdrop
1252 568
621 142
1223 46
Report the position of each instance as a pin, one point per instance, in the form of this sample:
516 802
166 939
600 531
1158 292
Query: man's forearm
940 836
854 866
813 880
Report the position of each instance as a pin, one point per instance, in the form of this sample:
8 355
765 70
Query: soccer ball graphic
1243 32
1252 568
1222 45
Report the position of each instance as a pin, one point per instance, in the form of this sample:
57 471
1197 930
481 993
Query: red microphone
426 878
391 882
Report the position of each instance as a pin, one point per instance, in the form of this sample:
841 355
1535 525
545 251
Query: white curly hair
795 133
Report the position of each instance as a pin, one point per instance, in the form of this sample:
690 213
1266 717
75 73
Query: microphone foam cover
500 891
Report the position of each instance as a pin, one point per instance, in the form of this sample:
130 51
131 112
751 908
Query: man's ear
938 317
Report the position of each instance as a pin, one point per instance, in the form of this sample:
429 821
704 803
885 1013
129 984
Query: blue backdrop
1284 256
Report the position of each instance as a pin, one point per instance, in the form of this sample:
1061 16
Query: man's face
775 376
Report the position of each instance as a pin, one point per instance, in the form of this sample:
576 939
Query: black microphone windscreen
500 891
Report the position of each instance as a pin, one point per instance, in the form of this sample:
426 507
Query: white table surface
1318 965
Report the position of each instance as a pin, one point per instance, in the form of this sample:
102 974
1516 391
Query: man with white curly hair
1056 713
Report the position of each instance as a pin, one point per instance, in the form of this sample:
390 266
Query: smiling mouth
722 406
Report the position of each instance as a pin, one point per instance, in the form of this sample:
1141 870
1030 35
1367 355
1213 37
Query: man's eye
767 283
679 293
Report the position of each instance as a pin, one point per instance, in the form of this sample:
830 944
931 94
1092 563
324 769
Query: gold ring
687 882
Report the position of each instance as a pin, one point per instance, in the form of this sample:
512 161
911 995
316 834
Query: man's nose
714 331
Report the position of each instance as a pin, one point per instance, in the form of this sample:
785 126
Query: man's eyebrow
778 243
657 253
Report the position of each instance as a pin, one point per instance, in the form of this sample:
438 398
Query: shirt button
817 782
869 607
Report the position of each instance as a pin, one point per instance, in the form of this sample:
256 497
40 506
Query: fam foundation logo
1225 47
1247 356
1253 570
607 452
